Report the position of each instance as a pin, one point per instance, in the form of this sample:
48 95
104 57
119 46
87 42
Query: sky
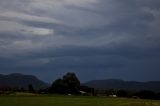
96 39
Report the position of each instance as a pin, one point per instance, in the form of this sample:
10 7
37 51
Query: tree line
69 84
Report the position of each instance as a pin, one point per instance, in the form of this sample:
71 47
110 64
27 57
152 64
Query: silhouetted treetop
68 84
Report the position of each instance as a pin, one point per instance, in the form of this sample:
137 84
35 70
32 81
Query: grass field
56 100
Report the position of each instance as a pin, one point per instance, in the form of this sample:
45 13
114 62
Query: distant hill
21 81
126 85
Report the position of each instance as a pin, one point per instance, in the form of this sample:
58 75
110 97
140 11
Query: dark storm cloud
110 38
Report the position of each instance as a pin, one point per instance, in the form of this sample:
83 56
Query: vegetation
30 88
69 84
143 94
57 100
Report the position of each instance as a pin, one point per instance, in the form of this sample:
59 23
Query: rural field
57 100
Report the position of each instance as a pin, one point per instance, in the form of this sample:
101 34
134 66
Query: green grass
57 100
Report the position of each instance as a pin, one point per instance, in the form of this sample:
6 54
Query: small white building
83 93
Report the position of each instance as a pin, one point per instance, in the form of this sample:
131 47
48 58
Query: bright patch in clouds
37 31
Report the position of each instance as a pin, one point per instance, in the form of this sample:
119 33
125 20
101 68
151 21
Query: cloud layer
97 39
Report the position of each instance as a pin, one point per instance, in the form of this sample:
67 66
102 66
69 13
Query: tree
68 84
58 86
146 94
71 82
30 88
123 93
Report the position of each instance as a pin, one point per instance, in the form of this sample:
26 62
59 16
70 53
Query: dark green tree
146 94
71 82
122 93
30 88
58 86
68 84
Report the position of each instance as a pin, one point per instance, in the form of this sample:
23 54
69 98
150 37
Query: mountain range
125 85
17 80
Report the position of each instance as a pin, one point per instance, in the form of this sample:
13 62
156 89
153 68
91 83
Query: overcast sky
96 39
